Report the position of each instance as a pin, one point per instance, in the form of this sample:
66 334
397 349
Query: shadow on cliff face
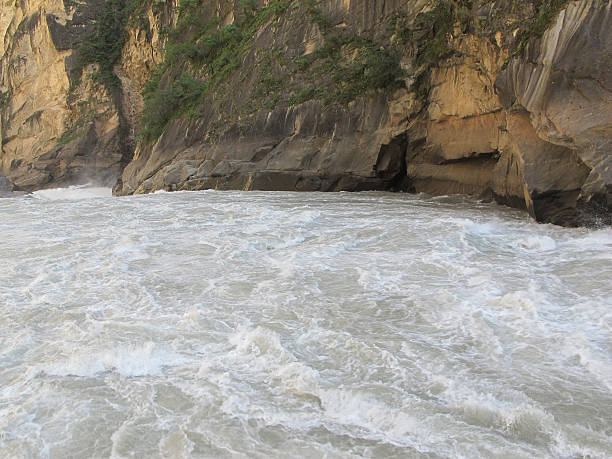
391 164
570 208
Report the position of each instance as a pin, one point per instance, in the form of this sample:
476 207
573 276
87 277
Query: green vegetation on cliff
201 58
545 12
347 65
207 61
530 18
198 58
438 23
5 97
103 46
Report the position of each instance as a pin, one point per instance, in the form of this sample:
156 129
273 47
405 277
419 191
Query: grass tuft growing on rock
546 12
347 65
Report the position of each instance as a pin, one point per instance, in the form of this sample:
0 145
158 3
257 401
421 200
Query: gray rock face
6 186
299 148
563 87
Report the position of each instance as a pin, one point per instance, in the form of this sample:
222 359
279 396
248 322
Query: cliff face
55 130
505 100
559 94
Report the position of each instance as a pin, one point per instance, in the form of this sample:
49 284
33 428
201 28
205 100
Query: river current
253 324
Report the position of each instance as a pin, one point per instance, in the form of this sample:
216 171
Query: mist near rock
73 193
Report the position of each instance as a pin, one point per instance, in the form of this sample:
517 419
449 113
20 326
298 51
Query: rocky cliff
56 127
507 99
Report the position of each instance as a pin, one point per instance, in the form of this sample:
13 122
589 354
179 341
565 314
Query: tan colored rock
51 137
33 73
546 176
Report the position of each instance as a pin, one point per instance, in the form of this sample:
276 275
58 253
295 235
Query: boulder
6 186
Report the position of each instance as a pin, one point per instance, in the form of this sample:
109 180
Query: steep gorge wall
56 127
497 99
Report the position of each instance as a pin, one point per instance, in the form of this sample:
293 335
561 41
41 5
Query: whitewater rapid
253 324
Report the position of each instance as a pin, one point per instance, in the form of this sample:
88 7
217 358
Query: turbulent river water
233 324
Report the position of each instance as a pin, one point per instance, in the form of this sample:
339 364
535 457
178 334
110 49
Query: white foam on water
298 379
383 421
230 324
597 240
258 341
177 445
517 414
577 347
541 243
127 361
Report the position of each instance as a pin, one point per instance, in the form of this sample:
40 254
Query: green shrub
305 95
382 68
103 46
162 105
5 97
248 6
212 53
545 13
439 22
374 68
318 17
